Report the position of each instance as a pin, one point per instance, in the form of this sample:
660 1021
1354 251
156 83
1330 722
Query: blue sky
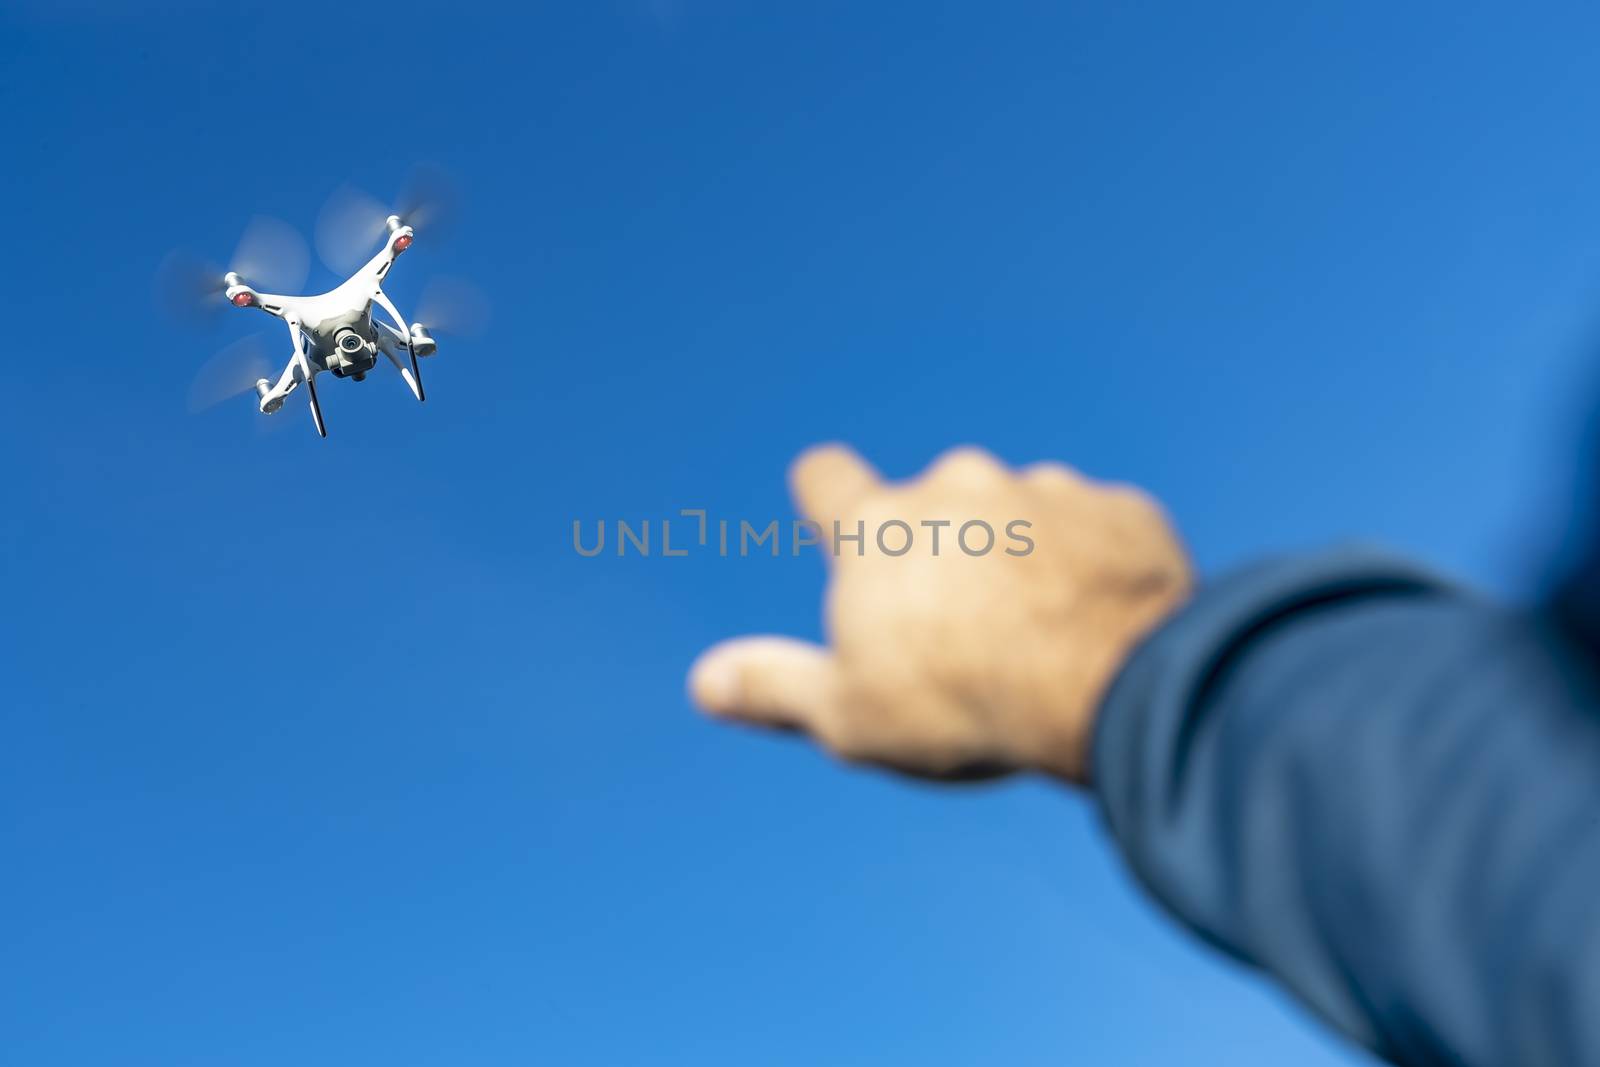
334 751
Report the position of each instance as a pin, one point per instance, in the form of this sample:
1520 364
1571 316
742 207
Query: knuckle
1131 497
966 464
1050 475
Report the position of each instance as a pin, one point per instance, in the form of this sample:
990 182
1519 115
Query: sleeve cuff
1152 708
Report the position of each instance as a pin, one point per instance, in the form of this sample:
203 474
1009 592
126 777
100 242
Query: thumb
766 681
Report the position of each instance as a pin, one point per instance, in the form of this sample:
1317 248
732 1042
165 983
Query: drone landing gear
412 374
416 373
400 336
316 408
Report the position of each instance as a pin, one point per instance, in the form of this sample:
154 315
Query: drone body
337 330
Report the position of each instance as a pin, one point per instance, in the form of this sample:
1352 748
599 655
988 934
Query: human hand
945 664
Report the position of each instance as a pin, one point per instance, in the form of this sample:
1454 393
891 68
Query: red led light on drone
243 300
402 242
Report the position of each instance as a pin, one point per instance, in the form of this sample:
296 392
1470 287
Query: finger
769 681
966 467
827 480
1054 477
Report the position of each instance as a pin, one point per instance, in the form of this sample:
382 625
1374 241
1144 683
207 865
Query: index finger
827 480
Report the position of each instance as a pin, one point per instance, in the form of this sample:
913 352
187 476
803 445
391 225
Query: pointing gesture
974 616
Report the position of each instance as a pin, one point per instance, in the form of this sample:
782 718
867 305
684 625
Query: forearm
1382 792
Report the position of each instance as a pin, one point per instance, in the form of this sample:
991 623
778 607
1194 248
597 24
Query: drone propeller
453 306
353 221
271 255
429 200
232 371
447 305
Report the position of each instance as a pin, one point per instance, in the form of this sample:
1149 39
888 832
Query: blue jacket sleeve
1380 790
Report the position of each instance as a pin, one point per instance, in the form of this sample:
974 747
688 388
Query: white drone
337 331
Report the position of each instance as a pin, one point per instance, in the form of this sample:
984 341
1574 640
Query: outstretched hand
945 661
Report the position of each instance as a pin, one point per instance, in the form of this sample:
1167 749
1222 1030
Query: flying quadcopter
336 331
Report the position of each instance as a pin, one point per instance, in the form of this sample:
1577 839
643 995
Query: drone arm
379 264
272 304
269 398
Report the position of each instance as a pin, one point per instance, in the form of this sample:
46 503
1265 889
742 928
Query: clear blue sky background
332 752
